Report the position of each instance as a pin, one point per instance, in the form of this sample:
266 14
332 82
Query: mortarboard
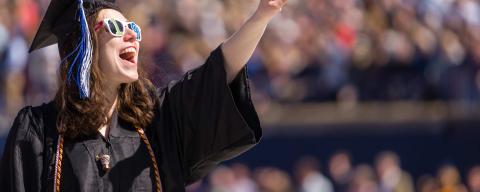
63 19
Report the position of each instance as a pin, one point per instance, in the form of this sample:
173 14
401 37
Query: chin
132 79
129 78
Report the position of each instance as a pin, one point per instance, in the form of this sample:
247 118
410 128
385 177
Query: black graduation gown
200 121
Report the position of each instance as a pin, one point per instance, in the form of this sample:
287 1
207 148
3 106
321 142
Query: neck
111 92
112 97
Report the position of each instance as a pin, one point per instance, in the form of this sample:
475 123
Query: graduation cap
64 21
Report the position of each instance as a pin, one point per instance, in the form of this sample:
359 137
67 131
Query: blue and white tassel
82 55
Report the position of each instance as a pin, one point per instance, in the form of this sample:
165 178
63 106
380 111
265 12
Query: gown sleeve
214 120
21 165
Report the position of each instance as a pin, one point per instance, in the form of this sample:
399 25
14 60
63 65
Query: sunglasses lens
111 27
134 27
119 27
115 27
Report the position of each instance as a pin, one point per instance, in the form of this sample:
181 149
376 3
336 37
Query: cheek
106 56
105 61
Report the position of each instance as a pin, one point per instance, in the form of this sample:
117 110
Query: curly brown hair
83 117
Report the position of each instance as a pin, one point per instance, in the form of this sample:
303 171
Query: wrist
261 18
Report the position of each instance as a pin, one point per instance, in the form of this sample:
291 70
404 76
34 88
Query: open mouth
128 54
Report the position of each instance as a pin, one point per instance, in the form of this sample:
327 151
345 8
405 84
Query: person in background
473 179
340 169
243 179
427 183
309 177
221 179
272 179
450 180
390 174
363 180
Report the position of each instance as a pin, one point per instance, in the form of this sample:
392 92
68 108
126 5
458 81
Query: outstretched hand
240 46
267 9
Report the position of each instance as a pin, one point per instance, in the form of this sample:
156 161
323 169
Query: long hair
80 118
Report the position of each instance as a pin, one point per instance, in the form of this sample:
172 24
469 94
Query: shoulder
30 121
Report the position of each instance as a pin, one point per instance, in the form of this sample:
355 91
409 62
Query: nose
129 35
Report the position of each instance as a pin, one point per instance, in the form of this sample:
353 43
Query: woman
108 129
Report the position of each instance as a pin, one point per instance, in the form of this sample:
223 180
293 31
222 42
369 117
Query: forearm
240 46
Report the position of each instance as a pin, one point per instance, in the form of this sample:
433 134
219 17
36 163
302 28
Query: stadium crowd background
316 51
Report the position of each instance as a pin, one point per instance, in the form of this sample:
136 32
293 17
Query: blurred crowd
314 51
387 175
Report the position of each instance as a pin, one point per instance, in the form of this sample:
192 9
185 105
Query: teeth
129 50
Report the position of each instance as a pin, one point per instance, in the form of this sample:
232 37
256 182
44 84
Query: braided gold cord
144 138
58 164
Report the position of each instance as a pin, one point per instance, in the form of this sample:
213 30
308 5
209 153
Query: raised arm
238 49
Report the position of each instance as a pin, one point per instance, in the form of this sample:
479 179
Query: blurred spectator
243 179
391 176
340 168
236 178
363 180
473 179
41 66
273 180
15 62
4 38
309 177
427 183
450 180
27 16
